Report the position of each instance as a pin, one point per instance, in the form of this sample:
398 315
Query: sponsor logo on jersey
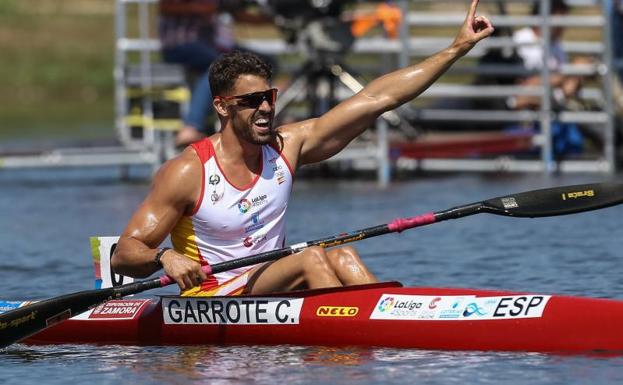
214 179
244 205
256 223
252 240
259 200
281 177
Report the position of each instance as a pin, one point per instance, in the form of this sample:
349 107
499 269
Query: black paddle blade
556 201
20 323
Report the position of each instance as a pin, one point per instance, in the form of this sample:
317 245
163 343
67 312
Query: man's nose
266 106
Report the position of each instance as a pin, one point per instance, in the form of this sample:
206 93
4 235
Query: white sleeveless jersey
231 222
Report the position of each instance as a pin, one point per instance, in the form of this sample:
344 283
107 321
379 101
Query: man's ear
220 106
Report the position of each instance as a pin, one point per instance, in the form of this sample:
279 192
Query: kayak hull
381 315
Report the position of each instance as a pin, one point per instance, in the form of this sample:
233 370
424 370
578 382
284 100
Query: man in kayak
225 197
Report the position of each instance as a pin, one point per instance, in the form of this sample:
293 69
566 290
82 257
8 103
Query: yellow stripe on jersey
234 286
184 239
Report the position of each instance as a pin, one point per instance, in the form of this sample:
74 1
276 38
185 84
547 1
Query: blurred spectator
194 33
566 137
531 54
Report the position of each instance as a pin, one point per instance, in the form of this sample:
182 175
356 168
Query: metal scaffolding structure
143 85
410 47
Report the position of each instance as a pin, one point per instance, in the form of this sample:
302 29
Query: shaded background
56 69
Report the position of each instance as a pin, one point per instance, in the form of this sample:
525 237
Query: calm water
47 217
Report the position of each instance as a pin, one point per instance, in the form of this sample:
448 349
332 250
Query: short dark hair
556 6
226 69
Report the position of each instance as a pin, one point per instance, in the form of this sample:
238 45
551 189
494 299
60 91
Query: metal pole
403 55
149 136
546 101
608 81
121 109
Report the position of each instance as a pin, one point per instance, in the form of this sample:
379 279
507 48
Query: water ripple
44 235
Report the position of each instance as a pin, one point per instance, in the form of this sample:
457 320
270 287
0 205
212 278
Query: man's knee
315 259
345 256
349 251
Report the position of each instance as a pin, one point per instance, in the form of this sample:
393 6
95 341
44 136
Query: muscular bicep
175 188
174 192
326 136
153 220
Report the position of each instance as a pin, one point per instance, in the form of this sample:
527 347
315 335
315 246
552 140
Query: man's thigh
284 274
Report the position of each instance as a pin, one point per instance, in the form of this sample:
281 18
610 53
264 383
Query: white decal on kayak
102 249
233 311
118 309
458 308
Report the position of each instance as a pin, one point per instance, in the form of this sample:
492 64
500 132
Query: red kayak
384 314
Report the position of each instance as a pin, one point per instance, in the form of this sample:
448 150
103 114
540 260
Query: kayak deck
384 315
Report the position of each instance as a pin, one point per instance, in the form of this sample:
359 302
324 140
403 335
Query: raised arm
327 135
175 188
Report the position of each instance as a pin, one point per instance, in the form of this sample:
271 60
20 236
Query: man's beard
244 130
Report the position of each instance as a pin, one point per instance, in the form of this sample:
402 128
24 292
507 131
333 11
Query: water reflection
307 365
577 254
233 363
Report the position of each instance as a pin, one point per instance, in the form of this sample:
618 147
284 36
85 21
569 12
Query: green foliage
56 67
7 7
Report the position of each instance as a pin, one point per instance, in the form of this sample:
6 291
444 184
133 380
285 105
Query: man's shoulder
294 130
188 156
179 179
187 163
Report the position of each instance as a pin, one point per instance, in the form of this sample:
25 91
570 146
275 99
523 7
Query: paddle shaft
20 323
538 203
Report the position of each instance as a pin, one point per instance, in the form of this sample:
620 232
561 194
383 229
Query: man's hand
186 272
474 29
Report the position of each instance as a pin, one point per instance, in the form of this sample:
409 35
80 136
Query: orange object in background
389 15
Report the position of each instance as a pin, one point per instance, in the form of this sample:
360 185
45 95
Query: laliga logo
386 304
244 205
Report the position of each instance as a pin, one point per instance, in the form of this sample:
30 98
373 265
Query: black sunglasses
254 99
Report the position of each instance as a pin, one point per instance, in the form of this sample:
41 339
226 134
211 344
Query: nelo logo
337 311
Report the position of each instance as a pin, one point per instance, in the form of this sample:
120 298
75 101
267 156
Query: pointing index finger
472 10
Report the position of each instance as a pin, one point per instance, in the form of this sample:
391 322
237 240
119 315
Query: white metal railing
602 49
408 47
